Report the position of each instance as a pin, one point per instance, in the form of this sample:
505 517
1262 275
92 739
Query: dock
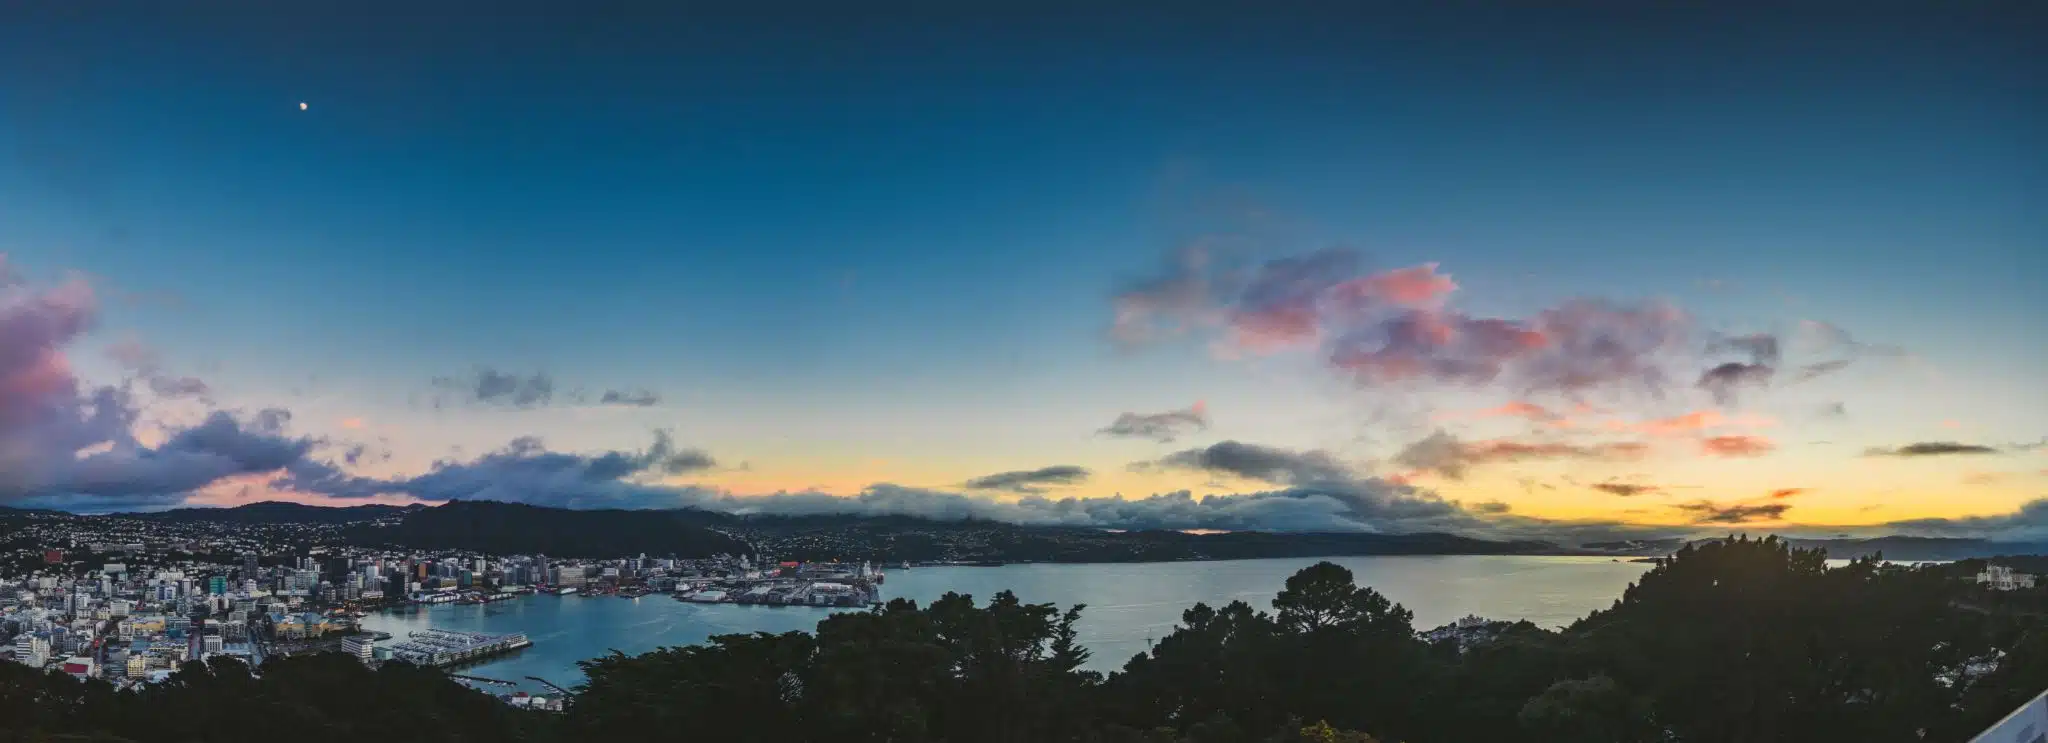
438 647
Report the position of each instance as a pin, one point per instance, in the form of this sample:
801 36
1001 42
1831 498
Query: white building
2002 578
32 651
359 646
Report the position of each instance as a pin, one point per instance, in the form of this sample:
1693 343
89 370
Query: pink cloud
1736 446
1275 328
1519 409
1415 286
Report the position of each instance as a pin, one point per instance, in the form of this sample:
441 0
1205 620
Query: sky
1513 274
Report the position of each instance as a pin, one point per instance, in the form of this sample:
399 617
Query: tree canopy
1745 641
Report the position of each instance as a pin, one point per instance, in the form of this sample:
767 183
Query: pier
822 585
438 647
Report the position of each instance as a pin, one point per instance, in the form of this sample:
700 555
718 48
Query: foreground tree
1745 641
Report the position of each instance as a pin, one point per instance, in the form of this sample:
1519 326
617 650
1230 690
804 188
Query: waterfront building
358 646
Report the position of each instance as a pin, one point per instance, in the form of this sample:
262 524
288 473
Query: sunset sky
1499 274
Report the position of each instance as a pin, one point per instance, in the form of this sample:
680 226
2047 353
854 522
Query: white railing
2028 724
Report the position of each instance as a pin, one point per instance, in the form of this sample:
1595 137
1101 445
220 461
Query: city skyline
1500 276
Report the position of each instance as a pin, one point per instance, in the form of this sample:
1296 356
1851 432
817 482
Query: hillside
502 528
1919 548
277 512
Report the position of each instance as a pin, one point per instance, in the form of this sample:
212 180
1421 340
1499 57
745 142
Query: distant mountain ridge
492 526
277 512
506 528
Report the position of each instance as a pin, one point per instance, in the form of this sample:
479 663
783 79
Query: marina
441 647
825 585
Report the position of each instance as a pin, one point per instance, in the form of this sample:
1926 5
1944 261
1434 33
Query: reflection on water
1128 604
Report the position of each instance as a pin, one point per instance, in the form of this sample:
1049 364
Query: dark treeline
1737 642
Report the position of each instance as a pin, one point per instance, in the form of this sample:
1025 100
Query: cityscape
1220 372
129 601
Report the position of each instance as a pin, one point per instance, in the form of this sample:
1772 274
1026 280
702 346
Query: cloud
1415 286
487 386
526 471
169 386
1029 481
222 446
1327 498
2027 523
1706 512
1392 326
64 444
147 366
1624 489
45 416
1492 506
1450 456
1254 462
1736 446
1578 346
1685 424
1165 305
1520 409
1725 380
1834 410
1930 449
631 398
1160 427
1280 307
1762 348
1819 369
1983 478
1783 493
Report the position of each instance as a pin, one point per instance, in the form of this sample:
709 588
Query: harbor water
1128 605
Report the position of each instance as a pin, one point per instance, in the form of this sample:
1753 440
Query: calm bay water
1128 604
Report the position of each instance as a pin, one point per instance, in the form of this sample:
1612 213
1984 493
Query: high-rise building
217 585
248 566
31 650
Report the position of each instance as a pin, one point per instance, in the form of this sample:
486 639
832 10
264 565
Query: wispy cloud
630 398
1625 489
1736 446
1707 512
1783 493
1452 457
1160 427
1930 449
1030 481
491 387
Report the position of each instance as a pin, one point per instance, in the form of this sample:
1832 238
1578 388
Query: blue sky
850 249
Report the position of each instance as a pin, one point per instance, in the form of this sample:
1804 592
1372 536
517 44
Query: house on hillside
2002 578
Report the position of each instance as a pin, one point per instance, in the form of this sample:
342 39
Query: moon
302 105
